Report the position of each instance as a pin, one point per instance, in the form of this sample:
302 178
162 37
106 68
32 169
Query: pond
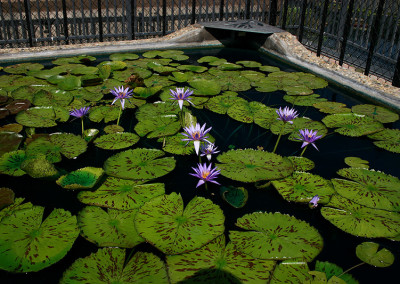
123 182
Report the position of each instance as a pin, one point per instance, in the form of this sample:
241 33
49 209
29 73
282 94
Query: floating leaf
39 167
75 59
227 66
356 162
249 63
121 194
28 244
311 81
265 117
297 90
139 164
111 228
215 255
90 134
164 223
108 113
353 125
158 80
370 188
165 126
42 145
267 68
71 145
123 56
232 81
10 163
144 93
22 68
306 123
107 265
9 141
105 72
17 106
301 164
332 107
302 187
221 104
192 68
42 116
276 236
368 253
82 178
309 100
209 59
203 87
253 165
291 272
45 98
244 111
332 270
156 111
6 197
116 141
235 196
174 145
12 127
253 76
113 128
16 206
115 65
378 113
360 220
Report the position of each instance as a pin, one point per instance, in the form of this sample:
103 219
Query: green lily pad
106 113
139 164
368 253
116 141
253 165
235 196
81 179
388 139
121 194
215 255
292 272
378 113
45 98
306 123
276 236
10 163
6 197
42 116
113 128
90 134
265 117
370 188
279 127
302 187
231 80
203 87
24 93
227 66
111 228
71 145
161 69
144 93
158 80
298 90
9 141
39 167
22 68
360 220
209 59
353 125
192 68
35 244
75 59
107 265
311 81
123 56
43 146
84 94
165 126
156 111
105 87
249 63
16 206
253 76
356 162
301 164
221 104
92 79
180 77
105 72
115 65
244 111
332 107
11 127
66 83
174 145
309 100
331 270
267 68
165 224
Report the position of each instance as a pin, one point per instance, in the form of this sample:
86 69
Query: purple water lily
205 174
308 137
121 94
287 114
80 112
208 150
196 134
181 95
314 201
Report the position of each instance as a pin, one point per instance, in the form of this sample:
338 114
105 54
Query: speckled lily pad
203 87
42 116
378 113
301 164
10 163
9 141
165 126
81 179
332 107
106 113
244 111
388 139
116 141
291 271
304 100
221 104
71 146
356 162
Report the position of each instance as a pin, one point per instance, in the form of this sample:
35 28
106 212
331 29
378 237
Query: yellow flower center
204 175
196 135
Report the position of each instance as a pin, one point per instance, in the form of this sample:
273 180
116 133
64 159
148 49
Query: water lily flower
80 112
121 94
314 201
208 150
196 134
287 114
308 137
205 174
181 95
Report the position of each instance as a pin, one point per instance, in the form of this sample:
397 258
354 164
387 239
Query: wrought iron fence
365 34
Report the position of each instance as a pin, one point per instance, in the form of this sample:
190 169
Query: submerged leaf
85 177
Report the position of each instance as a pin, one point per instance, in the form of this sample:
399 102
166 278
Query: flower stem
119 115
199 158
355 266
301 155
82 126
277 141
205 184
182 119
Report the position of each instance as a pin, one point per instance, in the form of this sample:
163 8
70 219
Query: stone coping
283 46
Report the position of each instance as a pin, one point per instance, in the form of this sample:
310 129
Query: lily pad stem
277 141
82 126
301 155
119 115
355 266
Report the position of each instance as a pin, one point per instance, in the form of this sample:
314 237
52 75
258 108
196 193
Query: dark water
339 247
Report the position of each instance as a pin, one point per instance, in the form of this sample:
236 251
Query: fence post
221 10
272 13
247 12
193 12
396 76
346 31
65 21
302 20
28 21
322 30
285 11
374 36
132 17
100 20
164 17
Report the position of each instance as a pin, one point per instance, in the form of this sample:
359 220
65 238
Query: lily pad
309 100
302 187
378 113
192 68
139 164
10 163
291 272
111 228
123 56
16 206
158 80
311 81
332 107
156 111
107 265
42 116
22 68
43 146
356 162
116 141
174 145
253 165
17 106
276 236
267 68
353 125
208 59
39 167
368 253
253 76
249 63
106 113
203 87
227 66
9 141
121 194
370 188
81 179
388 139
144 93
6 197
331 270
306 123
12 127
71 145
90 134
29 244
360 220
221 104
244 111
115 65
164 126
45 98
235 196
165 223
215 255
297 90
265 117
84 59
231 80
301 164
